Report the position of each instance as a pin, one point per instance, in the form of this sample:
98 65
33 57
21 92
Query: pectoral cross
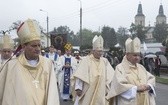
35 82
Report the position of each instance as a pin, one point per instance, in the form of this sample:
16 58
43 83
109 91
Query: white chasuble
126 79
23 84
96 75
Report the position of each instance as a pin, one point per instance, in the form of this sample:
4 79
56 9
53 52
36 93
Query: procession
104 67
33 79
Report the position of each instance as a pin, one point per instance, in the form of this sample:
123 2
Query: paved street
66 103
161 99
162 94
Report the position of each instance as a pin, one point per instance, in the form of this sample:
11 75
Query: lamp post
81 23
47 27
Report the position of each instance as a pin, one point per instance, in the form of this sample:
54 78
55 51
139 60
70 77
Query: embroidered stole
67 73
55 56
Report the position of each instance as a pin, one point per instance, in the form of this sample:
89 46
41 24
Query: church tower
140 17
161 18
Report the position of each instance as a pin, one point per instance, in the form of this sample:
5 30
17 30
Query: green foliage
138 31
122 31
109 36
63 30
70 34
141 33
160 32
162 80
84 47
87 37
121 39
122 35
132 29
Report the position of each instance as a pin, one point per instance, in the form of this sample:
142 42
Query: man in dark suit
157 66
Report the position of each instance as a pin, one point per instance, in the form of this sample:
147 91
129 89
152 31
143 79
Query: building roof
140 12
153 48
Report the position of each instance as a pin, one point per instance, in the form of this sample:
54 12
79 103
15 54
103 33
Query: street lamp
47 27
80 22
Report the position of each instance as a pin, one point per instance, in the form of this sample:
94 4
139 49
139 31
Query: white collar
33 62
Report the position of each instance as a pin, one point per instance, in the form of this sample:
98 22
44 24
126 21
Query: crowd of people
152 64
36 77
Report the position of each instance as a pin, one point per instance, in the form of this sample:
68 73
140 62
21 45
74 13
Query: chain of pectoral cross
35 82
96 63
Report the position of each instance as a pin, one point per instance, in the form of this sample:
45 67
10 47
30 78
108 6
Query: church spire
139 12
161 18
161 11
140 17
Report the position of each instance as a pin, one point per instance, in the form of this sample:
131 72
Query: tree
109 36
113 36
160 32
122 31
122 35
96 33
64 30
87 37
133 29
15 25
138 31
141 33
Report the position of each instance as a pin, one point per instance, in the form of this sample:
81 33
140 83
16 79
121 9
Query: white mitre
97 43
6 42
29 31
133 46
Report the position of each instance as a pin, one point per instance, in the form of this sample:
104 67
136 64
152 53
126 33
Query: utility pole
47 27
81 40
47 32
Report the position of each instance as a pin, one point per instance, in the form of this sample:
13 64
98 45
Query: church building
140 20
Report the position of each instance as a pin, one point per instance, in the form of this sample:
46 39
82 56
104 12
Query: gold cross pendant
35 82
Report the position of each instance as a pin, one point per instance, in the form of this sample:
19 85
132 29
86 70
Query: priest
132 83
66 66
93 77
6 48
29 79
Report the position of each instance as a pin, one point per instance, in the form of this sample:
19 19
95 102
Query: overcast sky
96 13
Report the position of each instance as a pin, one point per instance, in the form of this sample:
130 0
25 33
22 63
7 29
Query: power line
101 4
98 6
105 5
72 16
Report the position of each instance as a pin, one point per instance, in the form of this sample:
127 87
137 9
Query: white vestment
93 77
24 82
61 70
124 86
55 58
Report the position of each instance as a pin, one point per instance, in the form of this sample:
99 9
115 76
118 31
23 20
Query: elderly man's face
6 53
32 49
133 57
97 53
